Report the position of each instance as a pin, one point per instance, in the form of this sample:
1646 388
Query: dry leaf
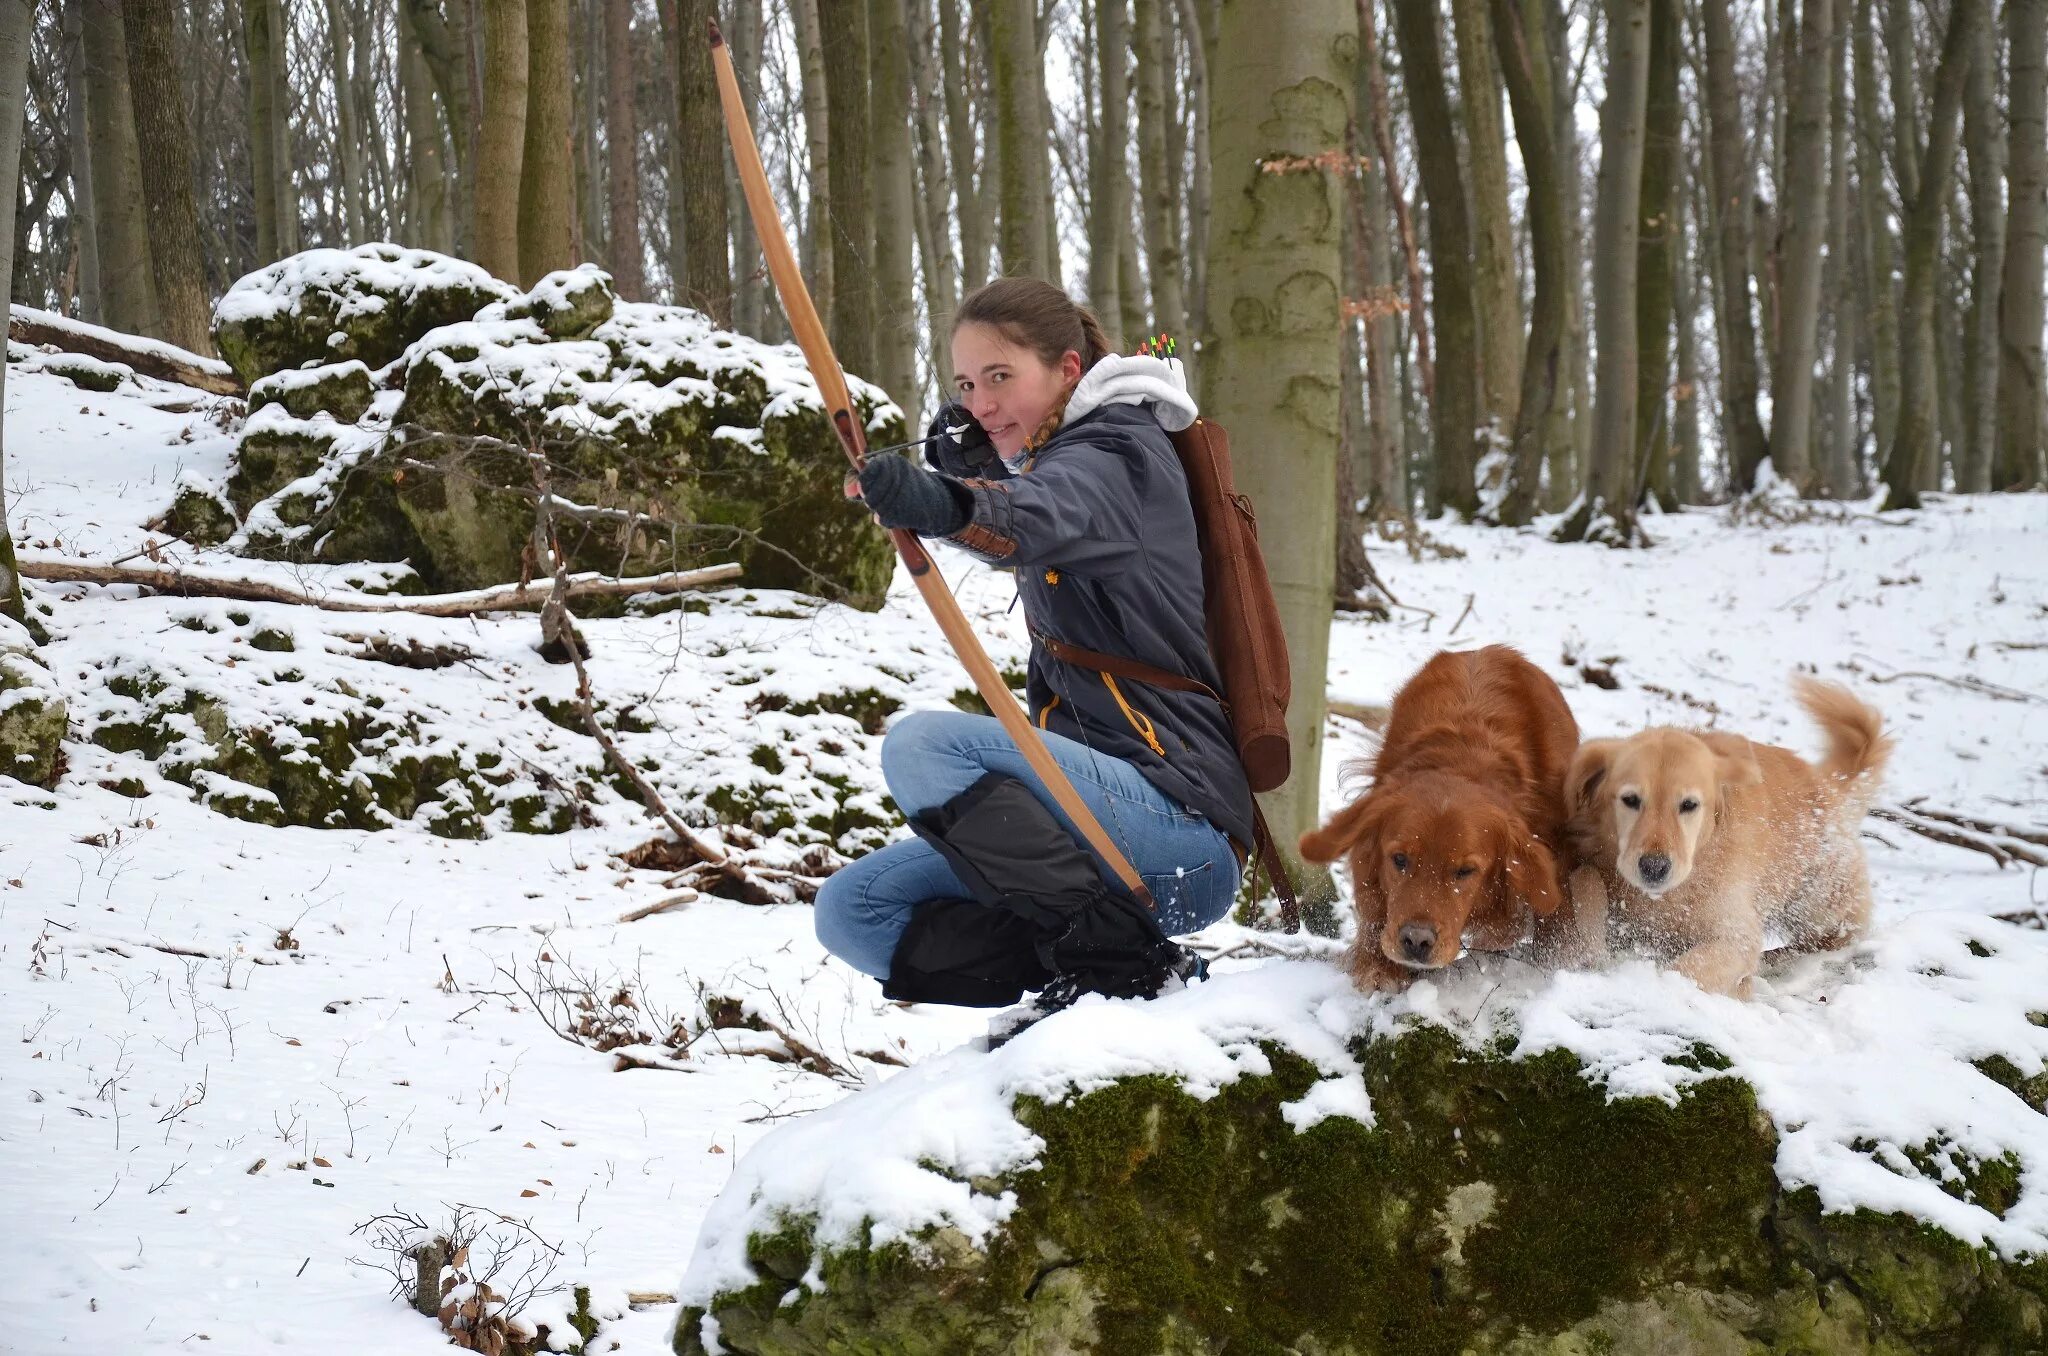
543 1181
292 1040
716 1149
461 1257
527 1145
319 1162
529 1192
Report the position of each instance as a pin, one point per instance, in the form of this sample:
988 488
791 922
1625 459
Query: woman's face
1008 389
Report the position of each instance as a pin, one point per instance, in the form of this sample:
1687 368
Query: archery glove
956 444
903 496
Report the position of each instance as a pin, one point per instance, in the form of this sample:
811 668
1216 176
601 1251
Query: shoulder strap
1266 855
1127 668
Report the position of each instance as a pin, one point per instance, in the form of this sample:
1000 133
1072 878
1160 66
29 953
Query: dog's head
1430 864
1652 800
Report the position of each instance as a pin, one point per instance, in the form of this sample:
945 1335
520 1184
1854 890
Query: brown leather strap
1126 668
1268 856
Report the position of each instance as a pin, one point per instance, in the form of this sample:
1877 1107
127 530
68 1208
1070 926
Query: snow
133 342
361 280
203 1007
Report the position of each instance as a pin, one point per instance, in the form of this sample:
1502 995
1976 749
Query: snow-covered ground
239 1045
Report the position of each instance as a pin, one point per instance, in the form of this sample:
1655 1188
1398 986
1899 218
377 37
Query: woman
1056 463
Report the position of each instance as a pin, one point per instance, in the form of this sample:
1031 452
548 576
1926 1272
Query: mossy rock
33 713
1495 1205
569 303
272 454
200 514
343 390
327 305
88 374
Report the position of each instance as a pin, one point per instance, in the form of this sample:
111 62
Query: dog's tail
1858 747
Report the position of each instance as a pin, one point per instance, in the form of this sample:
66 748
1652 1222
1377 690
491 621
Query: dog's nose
1418 942
1655 866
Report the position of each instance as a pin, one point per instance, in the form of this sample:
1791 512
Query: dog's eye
1400 861
1688 805
1632 800
1465 871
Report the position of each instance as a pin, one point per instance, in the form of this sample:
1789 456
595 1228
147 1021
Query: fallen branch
660 906
1997 842
1967 684
501 598
147 356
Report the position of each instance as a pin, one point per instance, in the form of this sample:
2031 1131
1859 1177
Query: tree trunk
165 143
934 199
968 187
1874 222
258 45
1654 280
1390 170
546 177
433 224
894 210
444 47
1042 28
1271 377
843 33
1804 227
1380 482
622 143
2022 458
349 141
127 285
84 216
1728 136
1987 255
1455 415
1837 453
1191 26
1567 464
1109 191
1685 391
1496 291
1540 429
17 28
1158 180
1608 513
1905 461
1021 138
501 150
750 273
818 147
1912 447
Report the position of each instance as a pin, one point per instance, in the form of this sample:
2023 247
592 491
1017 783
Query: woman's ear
1346 829
1070 367
1590 766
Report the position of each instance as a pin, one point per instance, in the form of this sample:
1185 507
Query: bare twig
660 906
2001 849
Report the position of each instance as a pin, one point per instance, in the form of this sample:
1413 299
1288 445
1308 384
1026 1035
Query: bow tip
717 38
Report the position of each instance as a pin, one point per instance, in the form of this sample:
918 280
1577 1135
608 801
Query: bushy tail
1858 747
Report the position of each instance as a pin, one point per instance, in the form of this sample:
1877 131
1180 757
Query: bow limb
817 349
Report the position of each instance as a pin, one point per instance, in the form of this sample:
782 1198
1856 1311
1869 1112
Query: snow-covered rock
33 714
1498 1161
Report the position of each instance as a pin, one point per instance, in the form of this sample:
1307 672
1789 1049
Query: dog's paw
1374 973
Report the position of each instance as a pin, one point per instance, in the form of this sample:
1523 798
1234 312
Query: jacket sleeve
1078 508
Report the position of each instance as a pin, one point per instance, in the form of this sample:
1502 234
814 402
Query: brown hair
1033 314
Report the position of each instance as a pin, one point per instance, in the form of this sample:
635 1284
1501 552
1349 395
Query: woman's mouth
997 432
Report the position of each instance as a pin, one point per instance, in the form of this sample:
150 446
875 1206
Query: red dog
1462 832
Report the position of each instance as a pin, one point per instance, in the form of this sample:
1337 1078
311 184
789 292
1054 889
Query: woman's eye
1400 861
1632 800
1688 805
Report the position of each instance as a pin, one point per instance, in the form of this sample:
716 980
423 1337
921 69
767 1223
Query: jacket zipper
1139 722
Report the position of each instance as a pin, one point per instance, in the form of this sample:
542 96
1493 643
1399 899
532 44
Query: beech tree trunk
1496 290
1804 228
546 176
2022 458
1913 446
1271 377
1874 223
165 143
348 138
1455 414
622 154
1651 450
1728 137
17 27
127 284
1021 139
1380 484
818 153
1109 190
1158 180
750 311
935 198
501 149
1986 150
843 32
895 211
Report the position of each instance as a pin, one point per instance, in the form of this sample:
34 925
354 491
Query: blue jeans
929 757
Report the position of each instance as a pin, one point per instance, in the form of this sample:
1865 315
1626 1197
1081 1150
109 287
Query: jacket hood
1159 384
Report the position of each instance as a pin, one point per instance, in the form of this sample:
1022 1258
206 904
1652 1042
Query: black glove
903 496
959 453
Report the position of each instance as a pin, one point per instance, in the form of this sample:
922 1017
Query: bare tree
1496 291
817 241
1804 228
622 142
843 31
17 25
165 142
1923 186
1021 138
1979 366
502 148
1728 135
1655 239
1109 188
895 214
2022 458
546 201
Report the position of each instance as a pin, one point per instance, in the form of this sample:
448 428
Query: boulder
343 390
1271 1163
33 715
327 305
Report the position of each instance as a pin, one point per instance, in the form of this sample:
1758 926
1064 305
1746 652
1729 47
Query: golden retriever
1461 833
1699 842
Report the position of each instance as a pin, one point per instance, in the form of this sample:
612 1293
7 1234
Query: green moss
201 516
33 722
342 390
765 757
88 374
271 456
865 707
1496 1206
273 640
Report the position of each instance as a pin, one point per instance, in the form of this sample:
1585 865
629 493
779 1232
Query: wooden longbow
825 370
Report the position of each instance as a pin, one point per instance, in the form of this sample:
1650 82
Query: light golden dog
1696 843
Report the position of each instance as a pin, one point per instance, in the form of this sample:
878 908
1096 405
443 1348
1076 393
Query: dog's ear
1347 828
1590 766
1738 767
1532 874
